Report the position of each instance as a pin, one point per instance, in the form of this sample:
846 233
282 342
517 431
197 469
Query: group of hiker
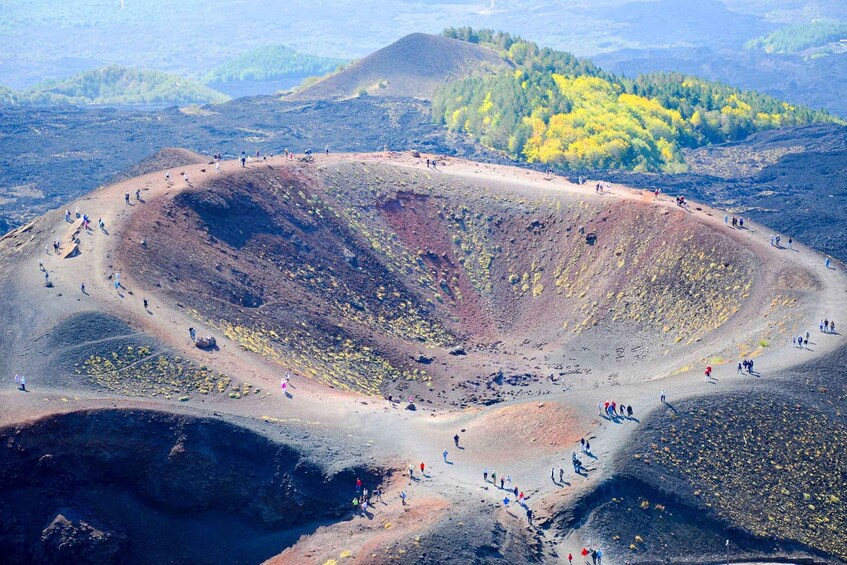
20 382
613 411
746 365
776 239
506 485
362 499
595 554
828 326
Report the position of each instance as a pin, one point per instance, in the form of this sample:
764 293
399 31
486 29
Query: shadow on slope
117 486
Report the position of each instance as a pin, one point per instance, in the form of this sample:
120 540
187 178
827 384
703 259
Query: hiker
168 177
739 370
378 494
18 382
516 492
23 383
509 479
599 556
355 505
582 444
600 408
553 474
102 224
587 447
411 472
501 482
126 197
734 221
662 396
82 287
358 484
750 366
506 501
741 223
186 178
529 515
570 558
629 411
826 263
725 219
832 327
138 195
46 278
790 241
494 478
820 326
217 167
145 304
68 216
243 161
485 474
192 334
456 440
444 453
365 507
422 468
403 497
326 150
561 475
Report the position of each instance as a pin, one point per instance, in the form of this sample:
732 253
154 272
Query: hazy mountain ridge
272 62
114 85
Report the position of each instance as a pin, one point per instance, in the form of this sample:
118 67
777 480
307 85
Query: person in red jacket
422 468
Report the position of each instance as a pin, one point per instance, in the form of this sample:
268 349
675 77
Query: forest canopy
272 62
799 37
113 85
557 109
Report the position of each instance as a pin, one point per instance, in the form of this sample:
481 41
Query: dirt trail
524 451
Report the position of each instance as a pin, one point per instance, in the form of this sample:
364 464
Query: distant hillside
414 66
562 110
115 85
800 37
270 63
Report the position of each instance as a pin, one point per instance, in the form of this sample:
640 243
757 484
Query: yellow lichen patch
137 371
342 364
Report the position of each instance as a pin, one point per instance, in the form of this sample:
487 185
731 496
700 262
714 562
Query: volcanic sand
523 439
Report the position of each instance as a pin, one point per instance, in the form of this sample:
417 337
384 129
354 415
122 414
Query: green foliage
799 37
555 108
117 86
272 62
